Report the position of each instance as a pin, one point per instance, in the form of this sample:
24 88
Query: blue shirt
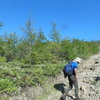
74 65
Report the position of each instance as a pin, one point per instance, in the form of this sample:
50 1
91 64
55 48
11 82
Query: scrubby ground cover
14 78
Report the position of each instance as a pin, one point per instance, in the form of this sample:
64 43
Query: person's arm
75 73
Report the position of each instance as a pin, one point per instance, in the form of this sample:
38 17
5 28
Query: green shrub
2 60
7 86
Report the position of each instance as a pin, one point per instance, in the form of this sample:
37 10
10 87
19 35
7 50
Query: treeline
13 48
35 48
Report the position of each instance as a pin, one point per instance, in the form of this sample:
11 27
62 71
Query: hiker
73 80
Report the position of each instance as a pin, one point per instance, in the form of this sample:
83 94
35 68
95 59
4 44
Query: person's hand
75 79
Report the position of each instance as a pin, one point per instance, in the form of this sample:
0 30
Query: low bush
7 85
14 75
2 60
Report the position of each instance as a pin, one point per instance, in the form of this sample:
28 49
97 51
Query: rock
82 88
97 78
96 62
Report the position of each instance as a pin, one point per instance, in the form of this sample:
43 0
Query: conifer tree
40 36
54 33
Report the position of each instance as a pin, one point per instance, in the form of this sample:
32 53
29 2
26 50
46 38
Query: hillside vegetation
32 59
24 65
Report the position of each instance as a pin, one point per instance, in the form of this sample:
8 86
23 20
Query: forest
31 59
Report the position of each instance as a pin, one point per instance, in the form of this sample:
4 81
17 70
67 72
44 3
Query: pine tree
55 36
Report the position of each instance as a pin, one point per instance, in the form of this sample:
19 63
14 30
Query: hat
78 60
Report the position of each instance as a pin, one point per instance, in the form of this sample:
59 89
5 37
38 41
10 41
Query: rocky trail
88 79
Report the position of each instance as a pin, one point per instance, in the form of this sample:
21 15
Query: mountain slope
88 78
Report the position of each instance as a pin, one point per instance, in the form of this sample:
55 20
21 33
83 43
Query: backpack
68 70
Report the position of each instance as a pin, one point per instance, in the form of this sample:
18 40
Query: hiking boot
77 99
64 97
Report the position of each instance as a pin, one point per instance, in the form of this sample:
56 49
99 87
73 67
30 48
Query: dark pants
71 83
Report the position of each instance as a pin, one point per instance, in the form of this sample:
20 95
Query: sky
74 18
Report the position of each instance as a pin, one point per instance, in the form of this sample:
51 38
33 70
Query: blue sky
75 18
